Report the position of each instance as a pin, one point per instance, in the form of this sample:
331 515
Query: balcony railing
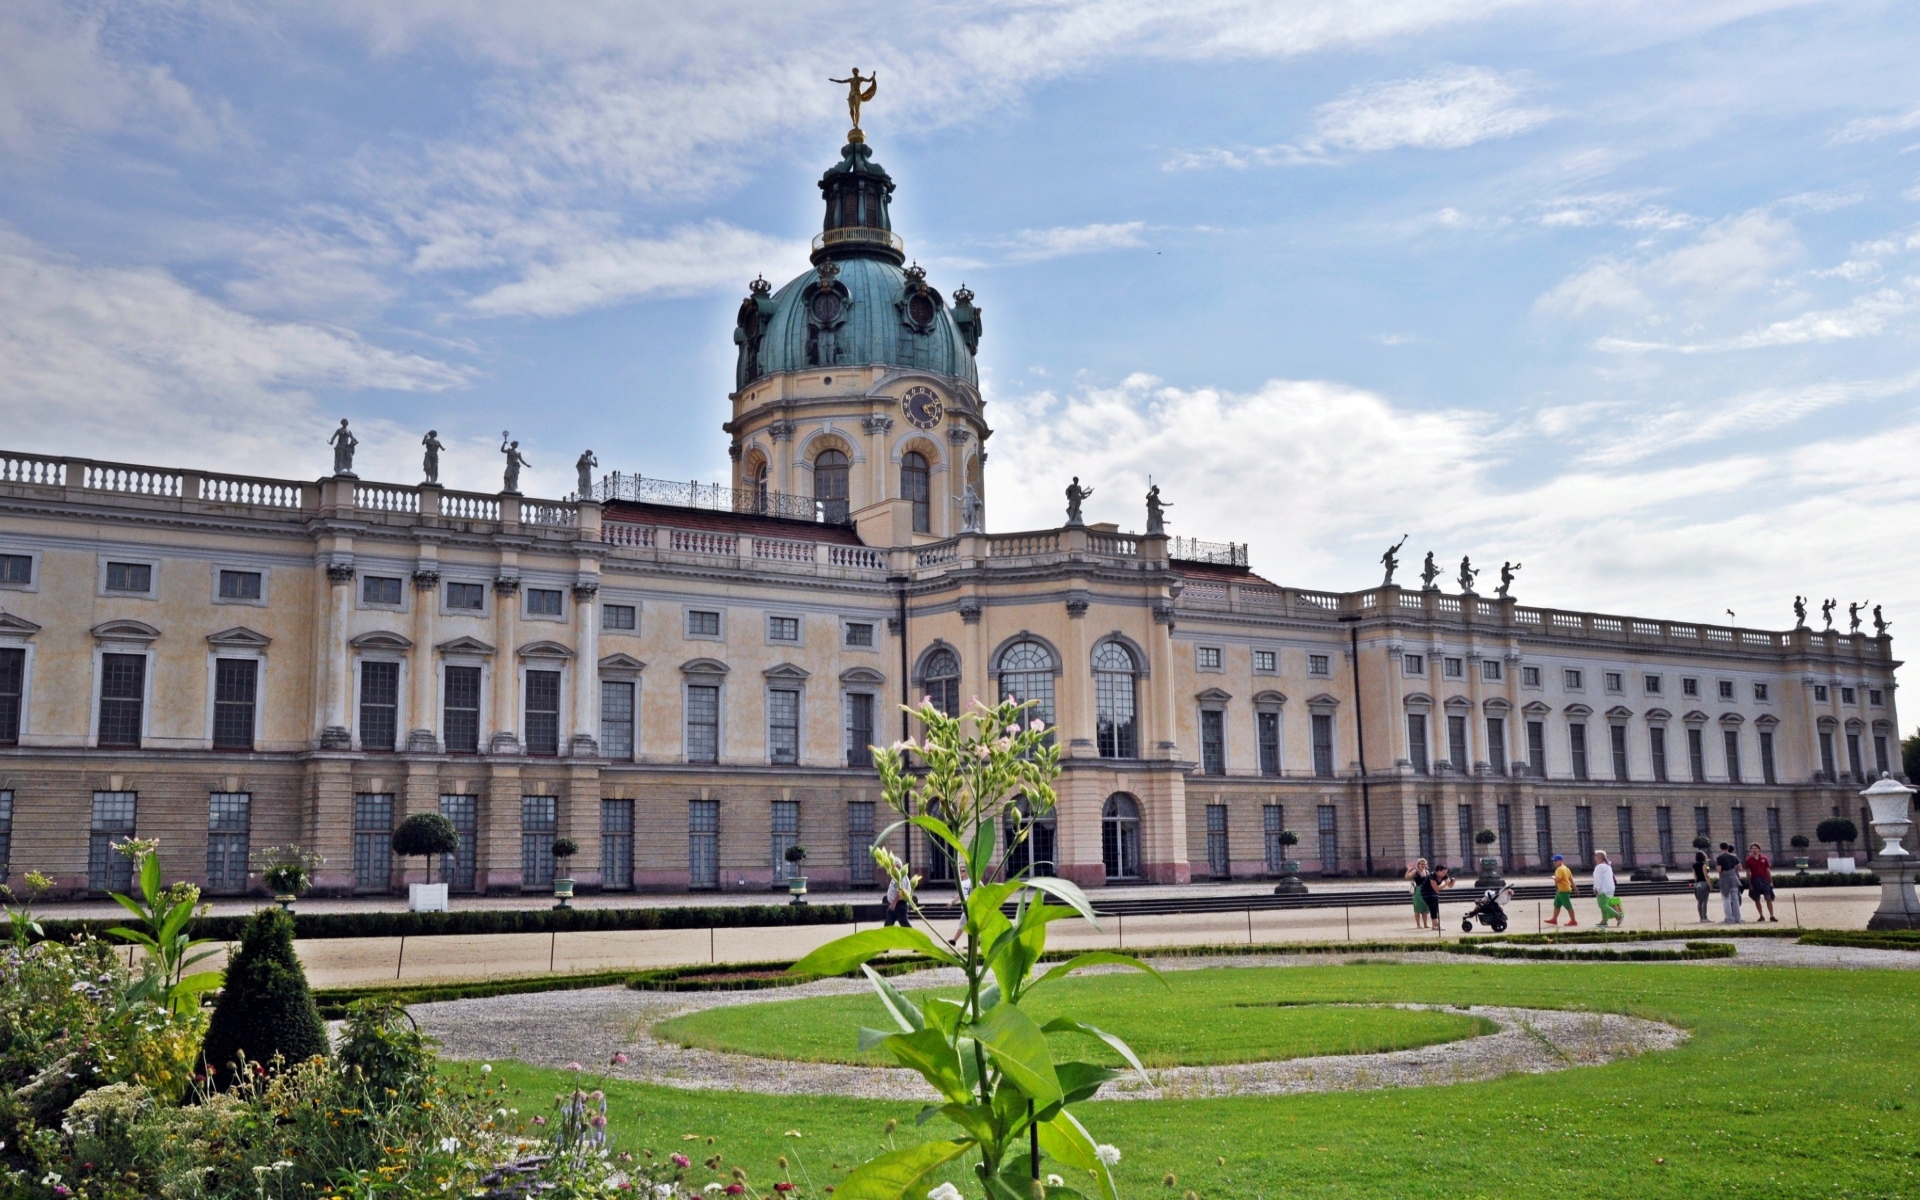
1225 554
713 497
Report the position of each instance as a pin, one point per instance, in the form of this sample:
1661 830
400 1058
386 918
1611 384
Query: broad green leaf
941 830
980 854
974 1118
150 878
844 954
1079 1080
899 1173
1094 958
1069 1025
930 1054
869 1038
1067 893
135 936
986 899
943 1014
198 982
1017 1178
902 1009
1020 1050
130 904
1067 1142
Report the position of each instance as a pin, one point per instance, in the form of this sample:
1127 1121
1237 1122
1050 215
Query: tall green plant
991 1062
267 1010
166 915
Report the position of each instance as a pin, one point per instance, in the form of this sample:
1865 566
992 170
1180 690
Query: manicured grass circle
1200 1018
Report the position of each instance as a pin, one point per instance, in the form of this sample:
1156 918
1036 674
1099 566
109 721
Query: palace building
686 679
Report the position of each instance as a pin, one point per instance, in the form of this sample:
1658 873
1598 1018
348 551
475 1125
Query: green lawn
1795 1083
1225 1017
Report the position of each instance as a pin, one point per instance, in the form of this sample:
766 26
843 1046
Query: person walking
1442 880
1701 887
1729 866
1562 891
894 906
1760 882
1418 873
1604 889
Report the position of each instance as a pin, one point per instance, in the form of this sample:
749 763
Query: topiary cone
266 1007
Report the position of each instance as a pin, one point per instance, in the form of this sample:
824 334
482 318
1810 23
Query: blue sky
1624 291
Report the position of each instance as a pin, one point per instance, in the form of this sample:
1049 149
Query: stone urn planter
797 889
563 851
1289 883
796 883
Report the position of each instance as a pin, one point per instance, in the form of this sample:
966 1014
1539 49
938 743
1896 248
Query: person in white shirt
1604 889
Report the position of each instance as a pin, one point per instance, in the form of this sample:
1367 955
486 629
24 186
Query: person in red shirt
1760 881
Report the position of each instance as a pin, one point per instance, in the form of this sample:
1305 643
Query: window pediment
1537 708
1419 700
1458 703
1578 710
545 649
378 640
465 645
125 631
1696 717
12 626
1496 705
1731 719
1620 712
704 666
786 671
1658 714
865 675
1323 700
1270 698
621 664
1767 722
1214 696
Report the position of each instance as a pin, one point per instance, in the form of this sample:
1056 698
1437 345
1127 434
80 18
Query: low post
1890 801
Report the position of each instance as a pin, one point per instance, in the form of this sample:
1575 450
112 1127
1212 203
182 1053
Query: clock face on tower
922 407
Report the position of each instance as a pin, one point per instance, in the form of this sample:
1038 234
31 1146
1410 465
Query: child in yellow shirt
1562 891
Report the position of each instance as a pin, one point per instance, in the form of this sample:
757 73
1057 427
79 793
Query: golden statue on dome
860 89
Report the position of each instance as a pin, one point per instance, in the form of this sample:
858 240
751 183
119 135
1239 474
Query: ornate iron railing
1226 554
712 496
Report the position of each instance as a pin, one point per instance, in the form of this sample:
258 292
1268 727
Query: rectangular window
13 686
1414 664
373 841
1318 664
1820 693
467 597
123 693
1219 862
1417 742
1423 814
1616 681
1623 816
1577 741
1726 691
1882 765
1497 744
783 726
1689 687
1570 679
1542 834
1663 830
1618 737
859 634
1490 670
1267 661
1739 815
859 725
1457 742
379 705
108 870
539 826
1847 695
1213 741
543 602
238 585
1701 827
1766 756
16 569
234 689
1273 823
703 843
619 618
458 870
543 712
1209 657
616 718
380 589
1323 745
1875 696
1697 754
1657 744
1463 817
1829 770
1776 836
783 629
1266 727
129 577
1537 748
1456 668
860 843
1855 763
1583 835
229 817
1732 739
703 723
616 845
702 624
1652 685
1760 692
1329 841
786 832
1529 676
1503 820
6 834
461 723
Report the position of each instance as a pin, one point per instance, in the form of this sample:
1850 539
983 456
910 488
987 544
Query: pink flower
783 1186
734 1189
680 1160
539 1120
575 1067
598 1120
1037 725
620 1059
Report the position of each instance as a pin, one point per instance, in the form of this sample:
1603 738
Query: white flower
283 1164
1107 1154
663 1190
486 1068
449 1144
712 1187
945 1191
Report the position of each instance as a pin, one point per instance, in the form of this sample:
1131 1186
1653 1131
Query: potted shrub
288 872
1800 842
796 881
563 851
425 835
1703 843
1834 831
1289 884
1486 839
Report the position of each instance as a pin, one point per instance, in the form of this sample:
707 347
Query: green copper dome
858 305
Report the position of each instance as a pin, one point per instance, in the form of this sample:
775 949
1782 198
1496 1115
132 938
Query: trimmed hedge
753 977
333 1002
1693 950
1809 879
468 922
1869 939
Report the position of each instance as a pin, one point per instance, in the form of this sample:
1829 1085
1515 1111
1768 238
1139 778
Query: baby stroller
1490 910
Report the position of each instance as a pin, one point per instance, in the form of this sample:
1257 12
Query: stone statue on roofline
1391 560
1826 612
972 510
1156 510
1853 616
585 465
1880 623
343 443
515 460
430 460
1429 573
1799 612
1467 575
1507 569
1076 495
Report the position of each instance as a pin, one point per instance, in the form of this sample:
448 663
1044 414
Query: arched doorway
1037 848
830 486
1120 837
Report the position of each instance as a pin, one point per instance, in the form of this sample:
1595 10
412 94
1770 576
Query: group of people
1751 876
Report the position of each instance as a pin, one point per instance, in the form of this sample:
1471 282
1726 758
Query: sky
1628 293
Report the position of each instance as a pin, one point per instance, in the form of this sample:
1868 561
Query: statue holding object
1391 560
343 443
1156 510
515 460
430 461
1429 573
1507 569
1467 576
1075 496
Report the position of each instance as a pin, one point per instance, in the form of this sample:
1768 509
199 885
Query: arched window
1035 849
760 488
914 488
1116 720
1120 836
1026 673
940 681
830 486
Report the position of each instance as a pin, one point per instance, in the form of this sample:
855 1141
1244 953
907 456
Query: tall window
1855 763
1417 742
783 726
1577 741
941 681
830 486
762 489
1618 736
1624 816
1424 815
616 718
13 682
1537 748
539 825
1266 727
1663 827
234 690
1114 692
123 693
1219 860
108 870
459 868
1272 824
1766 756
1697 753
1583 834
1213 741
461 723
1120 836
1657 746
859 712
1457 742
703 843
1828 770
1700 823
1776 836
786 832
543 712
1026 673
860 843
703 722
1732 739
1542 834
1029 841
1739 815
1329 841
1882 763
616 845
1464 815
379 705
1503 822
1497 744
373 841
228 822
1323 745
915 490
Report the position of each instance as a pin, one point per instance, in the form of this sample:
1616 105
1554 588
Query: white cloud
1865 129
1865 317
591 274
57 79
1038 245
1605 285
1448 110
1736 254
1678 426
